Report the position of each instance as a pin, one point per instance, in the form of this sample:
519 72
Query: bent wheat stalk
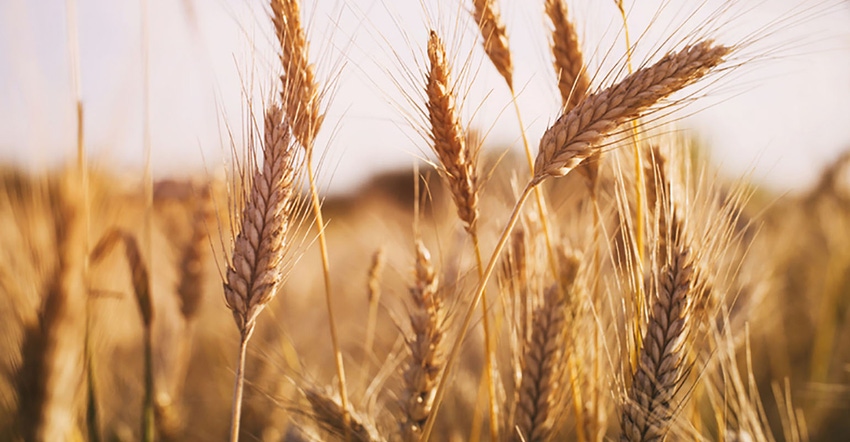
574 137
254 271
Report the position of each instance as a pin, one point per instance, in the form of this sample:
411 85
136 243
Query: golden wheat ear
495 38
426 346
257 263
457 158
579 133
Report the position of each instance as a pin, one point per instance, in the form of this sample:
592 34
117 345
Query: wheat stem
467 319
323 248
239 385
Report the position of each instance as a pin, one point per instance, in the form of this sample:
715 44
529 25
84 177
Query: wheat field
604 281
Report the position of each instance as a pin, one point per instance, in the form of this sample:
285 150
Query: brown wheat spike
573 81
578 133
190 285
300 93
542 370
495 38
427 353
328 414
458 160
51 372
647 413
255 269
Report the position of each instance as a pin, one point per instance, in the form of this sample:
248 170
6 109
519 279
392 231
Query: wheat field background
603 279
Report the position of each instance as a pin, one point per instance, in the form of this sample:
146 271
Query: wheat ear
50 373
647 413
254 272
458 161
457 158
427 352
300 95
141 288
544 363
573 81
301 92
578 133
344 424
495 37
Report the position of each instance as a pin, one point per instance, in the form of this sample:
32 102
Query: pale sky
779 118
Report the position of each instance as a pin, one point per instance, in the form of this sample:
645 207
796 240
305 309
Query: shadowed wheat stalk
50 373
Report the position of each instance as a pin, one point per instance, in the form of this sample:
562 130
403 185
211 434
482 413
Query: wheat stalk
255 269
578 133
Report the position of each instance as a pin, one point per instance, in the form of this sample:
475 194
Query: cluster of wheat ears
611 303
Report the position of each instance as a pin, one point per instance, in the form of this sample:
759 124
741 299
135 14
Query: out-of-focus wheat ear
328 414
49 378
647 413
374 290
138 269
544 363
256 267
457 158
579 133
427 314
495 38
192 258
300 92
141 288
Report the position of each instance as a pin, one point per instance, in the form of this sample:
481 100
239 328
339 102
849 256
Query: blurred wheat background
449 220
